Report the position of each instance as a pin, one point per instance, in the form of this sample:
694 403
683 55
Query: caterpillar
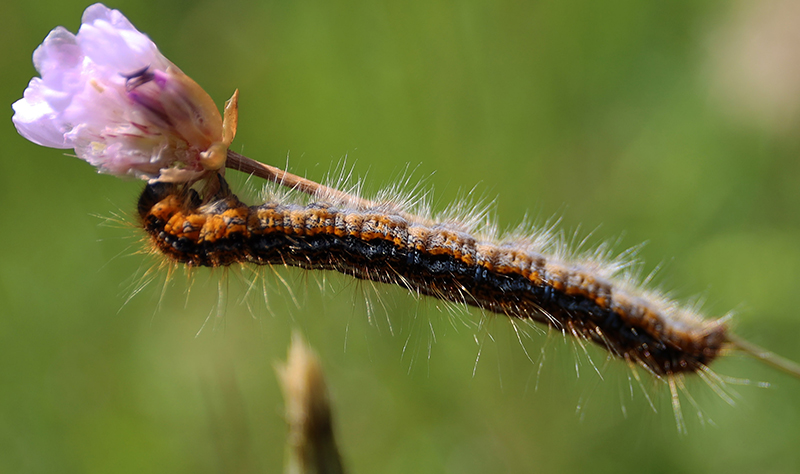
372 241
204 224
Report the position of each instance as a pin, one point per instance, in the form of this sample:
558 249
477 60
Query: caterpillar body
378 243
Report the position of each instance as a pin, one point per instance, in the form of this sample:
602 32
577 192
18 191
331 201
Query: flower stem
284 178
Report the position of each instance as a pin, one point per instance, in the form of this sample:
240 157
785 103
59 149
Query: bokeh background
674 123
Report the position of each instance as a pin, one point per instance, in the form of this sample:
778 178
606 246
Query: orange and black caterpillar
375 243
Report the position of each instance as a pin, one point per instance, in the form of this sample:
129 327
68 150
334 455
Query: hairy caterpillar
378 242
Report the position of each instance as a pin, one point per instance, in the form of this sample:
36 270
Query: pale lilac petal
103 24
37 114
111 42
59 51
36 120
98 11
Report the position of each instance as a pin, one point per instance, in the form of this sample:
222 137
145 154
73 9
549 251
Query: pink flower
111 95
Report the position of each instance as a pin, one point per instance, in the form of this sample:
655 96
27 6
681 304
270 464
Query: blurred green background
674 123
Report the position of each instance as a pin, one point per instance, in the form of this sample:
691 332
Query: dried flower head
111 95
